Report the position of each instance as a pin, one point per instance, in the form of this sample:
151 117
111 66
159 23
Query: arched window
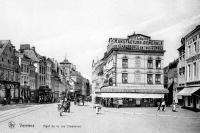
150 62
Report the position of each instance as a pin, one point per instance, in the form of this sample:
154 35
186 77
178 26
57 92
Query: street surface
44 118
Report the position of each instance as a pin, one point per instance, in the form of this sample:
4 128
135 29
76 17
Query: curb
144 114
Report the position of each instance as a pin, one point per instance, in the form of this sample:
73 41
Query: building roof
193 31
31 54
139 35
182 47
3 44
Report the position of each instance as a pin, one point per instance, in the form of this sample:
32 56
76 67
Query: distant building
131 70
171 81
9 73
55 80
189 71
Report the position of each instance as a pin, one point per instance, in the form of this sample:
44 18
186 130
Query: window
158 64
149 79
189 51
189 71
150 63
124 77
195 47
158 79
195 70
22 68
2 59
180 71
124 63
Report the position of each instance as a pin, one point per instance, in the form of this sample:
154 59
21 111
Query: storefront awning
129 95
133 89
188 91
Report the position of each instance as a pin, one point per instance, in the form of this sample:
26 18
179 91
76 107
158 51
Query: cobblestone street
45 118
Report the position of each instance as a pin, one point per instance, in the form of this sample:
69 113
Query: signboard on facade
128 44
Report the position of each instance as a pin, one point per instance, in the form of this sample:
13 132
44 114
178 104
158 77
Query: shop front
9 92
131 97
25 94
191 98
45 94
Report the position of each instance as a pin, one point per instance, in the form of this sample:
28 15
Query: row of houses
182 76
26 76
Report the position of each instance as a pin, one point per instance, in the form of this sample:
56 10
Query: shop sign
136 41
147 45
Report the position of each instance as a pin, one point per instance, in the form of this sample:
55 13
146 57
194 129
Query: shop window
149 79
157 79
150 63
124 77
125 62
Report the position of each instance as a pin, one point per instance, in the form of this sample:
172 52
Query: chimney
33 48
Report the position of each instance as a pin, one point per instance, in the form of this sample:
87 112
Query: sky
79 29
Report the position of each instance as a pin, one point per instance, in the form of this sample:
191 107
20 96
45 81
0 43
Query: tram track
10 115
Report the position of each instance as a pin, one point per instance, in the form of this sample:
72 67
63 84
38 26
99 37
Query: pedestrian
174 107
163 105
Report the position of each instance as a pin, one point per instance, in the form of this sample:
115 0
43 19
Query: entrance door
8 96
194 102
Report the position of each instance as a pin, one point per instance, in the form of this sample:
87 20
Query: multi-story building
55 80
132 71
27 59
49 72
9 73
189 72
97 74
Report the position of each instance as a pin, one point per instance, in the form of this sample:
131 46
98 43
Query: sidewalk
15 106
152 111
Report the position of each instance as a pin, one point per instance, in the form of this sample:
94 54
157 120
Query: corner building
132 71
